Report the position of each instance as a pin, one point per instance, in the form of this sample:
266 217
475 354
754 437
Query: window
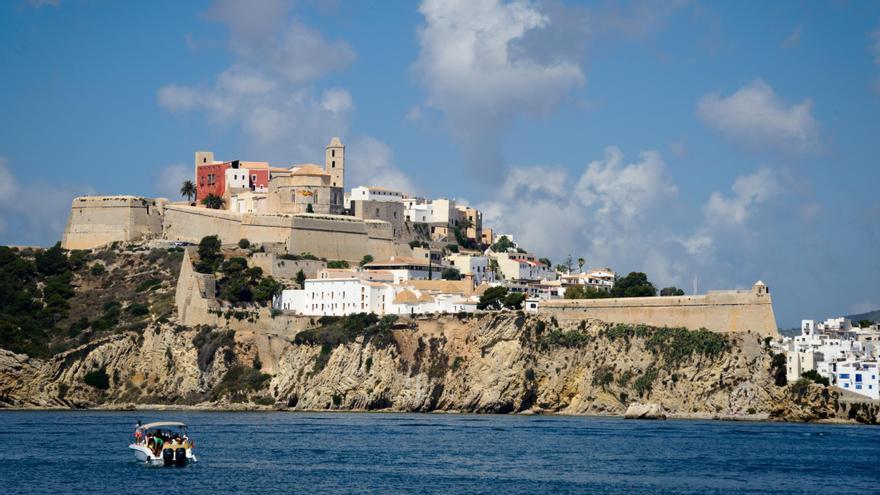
332 152
858 377
333 164
843 376
846 385
858 386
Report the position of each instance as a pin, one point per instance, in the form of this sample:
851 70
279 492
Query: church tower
334 162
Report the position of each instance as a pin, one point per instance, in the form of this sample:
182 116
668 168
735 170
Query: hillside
117 344
870 315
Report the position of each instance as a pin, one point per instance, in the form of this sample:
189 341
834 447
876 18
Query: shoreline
752 418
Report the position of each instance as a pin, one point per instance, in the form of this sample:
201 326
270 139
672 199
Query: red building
211 177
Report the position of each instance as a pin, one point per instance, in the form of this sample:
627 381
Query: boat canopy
163 424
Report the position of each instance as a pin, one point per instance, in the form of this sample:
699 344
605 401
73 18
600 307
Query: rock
644 411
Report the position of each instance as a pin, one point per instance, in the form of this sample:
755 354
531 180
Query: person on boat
158 442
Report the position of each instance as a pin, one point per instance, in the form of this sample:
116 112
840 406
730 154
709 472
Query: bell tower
334 162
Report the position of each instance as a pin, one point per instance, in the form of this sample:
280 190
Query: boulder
645 411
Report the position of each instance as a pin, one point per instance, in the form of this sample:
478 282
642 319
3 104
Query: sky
708 144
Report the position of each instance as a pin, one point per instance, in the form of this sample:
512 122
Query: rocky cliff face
501 363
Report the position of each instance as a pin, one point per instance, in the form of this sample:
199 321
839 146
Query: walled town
370 249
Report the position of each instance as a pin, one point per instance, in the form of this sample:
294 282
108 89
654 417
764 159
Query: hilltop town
277 287
339 251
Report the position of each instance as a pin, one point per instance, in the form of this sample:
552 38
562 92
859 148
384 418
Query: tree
514 300
493 298
368 258
450 273
493 267
52 261
452 248
214 202
338 264
244 243
815 377
865 323
188 190
582 292
301 279
546 261
671 291
581 263
309 208
635 284
209 254
503 244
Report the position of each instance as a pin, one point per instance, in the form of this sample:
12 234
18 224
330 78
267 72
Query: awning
161 424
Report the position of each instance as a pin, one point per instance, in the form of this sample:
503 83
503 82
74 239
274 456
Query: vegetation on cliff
53 299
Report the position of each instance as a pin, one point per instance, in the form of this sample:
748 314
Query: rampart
99 220
278 267
721 311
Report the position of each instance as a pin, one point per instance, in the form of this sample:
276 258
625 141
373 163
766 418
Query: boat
163 443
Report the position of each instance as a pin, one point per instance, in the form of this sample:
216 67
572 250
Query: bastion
719 311
100 220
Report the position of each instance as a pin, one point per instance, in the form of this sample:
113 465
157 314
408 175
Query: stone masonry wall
730 311
96 221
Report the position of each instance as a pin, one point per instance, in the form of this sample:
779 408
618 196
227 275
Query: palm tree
213 201
188 189
493 267
581 263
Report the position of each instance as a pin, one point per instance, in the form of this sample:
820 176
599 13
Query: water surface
86 451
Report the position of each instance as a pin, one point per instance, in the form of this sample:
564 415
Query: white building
364 193
334 294
405 268
859 377
845 355
476 267
522 266
600 279
248 202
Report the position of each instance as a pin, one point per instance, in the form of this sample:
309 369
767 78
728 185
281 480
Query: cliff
501 363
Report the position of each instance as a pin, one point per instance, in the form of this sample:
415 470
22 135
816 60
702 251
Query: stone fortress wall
100 220
719 311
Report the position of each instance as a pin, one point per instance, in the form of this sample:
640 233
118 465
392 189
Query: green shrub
456 363
98 269
244 243
97 379
815 377
645 383
338 264
240 380
530 375
264 400
138 309
603 377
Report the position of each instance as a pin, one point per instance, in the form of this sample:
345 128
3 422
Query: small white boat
163 443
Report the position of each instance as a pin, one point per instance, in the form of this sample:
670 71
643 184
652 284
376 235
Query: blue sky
724 141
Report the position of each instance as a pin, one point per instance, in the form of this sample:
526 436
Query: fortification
719 311
99 220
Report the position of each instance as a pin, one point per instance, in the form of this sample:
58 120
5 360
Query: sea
287 452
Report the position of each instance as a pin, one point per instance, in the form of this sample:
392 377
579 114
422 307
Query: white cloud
624 191
270 89
473 75
33 214
370 162
748 191
756 116
170 178
794 39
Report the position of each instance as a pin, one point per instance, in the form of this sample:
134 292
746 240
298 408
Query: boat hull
145 455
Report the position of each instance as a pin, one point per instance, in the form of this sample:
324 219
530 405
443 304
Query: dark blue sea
86 452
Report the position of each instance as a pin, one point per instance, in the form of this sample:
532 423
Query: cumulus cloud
370 162
270 91
478 71
170 178
624 191
33 214
610 210
756 116
748 191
